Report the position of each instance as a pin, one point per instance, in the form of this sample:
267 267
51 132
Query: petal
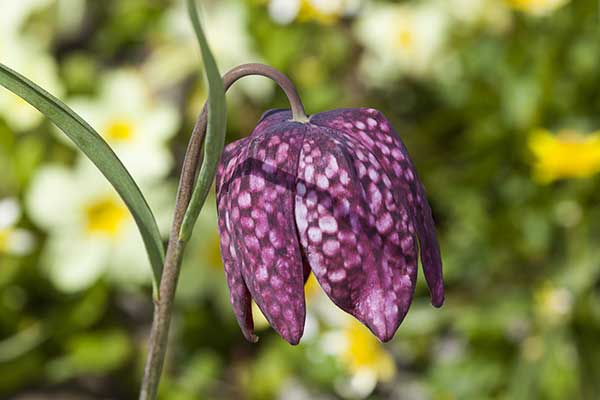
261 218
358 239
271 118
370 128
238 291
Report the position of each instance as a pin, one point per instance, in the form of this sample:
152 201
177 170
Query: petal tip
292 336
437 295
387 336
437 301
250 336
293 341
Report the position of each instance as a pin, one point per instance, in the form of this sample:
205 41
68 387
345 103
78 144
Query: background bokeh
498 102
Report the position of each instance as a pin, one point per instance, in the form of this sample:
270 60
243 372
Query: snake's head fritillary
337 196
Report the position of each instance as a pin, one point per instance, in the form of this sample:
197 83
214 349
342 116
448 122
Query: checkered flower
337 196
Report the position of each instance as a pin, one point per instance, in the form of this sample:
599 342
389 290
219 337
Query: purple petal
261 210
239 294
359 241
371 129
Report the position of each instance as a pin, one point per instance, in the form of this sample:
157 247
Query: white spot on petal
337 276
328 224
322 182
245 200
314 234
331 247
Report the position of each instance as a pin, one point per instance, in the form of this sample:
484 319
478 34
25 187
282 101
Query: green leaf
99 152
215 131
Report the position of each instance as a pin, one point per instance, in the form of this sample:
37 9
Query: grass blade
99 152
215 131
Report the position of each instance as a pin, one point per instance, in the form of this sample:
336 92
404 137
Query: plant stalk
163 307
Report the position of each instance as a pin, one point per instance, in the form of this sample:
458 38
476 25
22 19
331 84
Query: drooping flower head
337 196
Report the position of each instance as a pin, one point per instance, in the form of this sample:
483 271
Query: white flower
14 13
493 14
400 39
91 232
135 124
323 11
13 240
537 7
225 26
25 55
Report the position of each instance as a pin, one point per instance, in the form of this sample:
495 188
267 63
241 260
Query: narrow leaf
215 132
99 152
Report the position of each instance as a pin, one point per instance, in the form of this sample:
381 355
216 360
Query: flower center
405 39
119 130
105 217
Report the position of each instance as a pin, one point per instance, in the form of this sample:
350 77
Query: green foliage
521 258
215 130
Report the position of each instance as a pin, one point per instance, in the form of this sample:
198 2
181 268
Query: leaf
99 152
215 131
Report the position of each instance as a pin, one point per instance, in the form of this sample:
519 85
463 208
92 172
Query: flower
400 39
492 14
136 126
321 11
364 358
13 240
226 31
91 232
337 196
28 56
569 154
537 7
553 304
14 13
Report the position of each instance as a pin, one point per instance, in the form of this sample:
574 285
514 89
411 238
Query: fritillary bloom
337 196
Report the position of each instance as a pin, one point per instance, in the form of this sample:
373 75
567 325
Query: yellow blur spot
311 287
308 12
405 39
553 304
365 352
119 131
259 319
537 7
4 234
105 217
568 154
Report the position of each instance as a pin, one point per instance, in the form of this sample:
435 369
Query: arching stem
163 307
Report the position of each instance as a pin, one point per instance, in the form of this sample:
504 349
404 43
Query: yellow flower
568 154
537 7
363 356
365 353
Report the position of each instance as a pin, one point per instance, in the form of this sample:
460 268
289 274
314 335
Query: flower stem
163 307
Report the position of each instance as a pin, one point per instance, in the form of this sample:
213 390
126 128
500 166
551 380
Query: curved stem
163 306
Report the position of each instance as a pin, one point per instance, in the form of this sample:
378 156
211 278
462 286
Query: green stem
163 307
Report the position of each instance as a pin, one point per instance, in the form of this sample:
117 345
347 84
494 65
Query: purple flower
337 196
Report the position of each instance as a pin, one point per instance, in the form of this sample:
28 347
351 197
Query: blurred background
498 102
